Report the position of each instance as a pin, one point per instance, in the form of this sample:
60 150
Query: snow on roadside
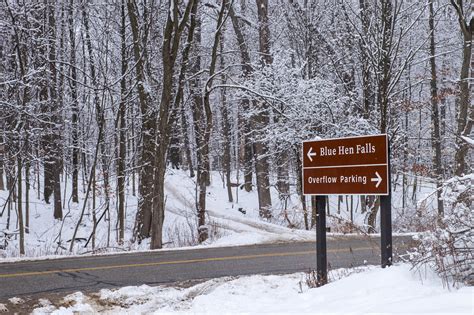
372 290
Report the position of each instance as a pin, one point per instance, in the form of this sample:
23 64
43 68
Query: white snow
3 308
356 291
468 140
16 300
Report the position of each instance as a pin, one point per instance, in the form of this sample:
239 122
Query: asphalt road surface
93 273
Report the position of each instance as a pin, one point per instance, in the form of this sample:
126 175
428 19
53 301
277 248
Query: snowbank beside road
365 290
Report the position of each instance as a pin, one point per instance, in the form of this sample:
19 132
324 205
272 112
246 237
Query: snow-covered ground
228 225
355 291
362 290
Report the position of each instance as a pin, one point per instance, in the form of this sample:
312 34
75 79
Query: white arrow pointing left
377 179
311 154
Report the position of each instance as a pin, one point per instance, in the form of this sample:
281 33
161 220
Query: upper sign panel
366 150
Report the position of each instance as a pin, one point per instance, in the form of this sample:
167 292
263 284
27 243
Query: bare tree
436 137
52 140
225 125
245 102
148 117
261 118
75 105
122 128
174 28
465 109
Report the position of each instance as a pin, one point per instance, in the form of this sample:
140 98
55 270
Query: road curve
158 267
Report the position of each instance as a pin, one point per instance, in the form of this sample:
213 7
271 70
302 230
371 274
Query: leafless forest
104 96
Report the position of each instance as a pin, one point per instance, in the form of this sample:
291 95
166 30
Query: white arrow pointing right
311 154
377 179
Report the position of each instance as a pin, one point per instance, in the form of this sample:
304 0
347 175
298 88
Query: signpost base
321 250
386 230
386 221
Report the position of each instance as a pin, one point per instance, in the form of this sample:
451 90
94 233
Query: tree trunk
19 204
122 130
53 158
465 109
314 211
245 126
385 63
299 184
2 154
27 193
74 106
373 203
283 176
187 145
99 110
171 42
226 160
367 89
261 120
384 78
436 137
203 150
147 158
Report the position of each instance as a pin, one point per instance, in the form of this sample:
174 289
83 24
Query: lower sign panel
352 180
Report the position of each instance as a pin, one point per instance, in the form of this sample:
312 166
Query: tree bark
385 63
436 137
147 158
261 120
187 145
99 109
226 160
299 184
384 78
53 159
173 31
203 150
21 225
122 153
74 106
2 168
367 94
245 125
465 109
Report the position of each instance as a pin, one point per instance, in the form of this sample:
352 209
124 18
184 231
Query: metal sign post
321 251
386 223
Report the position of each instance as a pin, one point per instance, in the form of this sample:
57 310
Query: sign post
348 166
386 223
321 250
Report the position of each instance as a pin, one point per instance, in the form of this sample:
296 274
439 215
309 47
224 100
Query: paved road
159 267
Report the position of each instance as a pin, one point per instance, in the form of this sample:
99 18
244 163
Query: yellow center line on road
175 262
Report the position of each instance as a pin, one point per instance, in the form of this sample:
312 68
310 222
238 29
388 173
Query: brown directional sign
345 166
